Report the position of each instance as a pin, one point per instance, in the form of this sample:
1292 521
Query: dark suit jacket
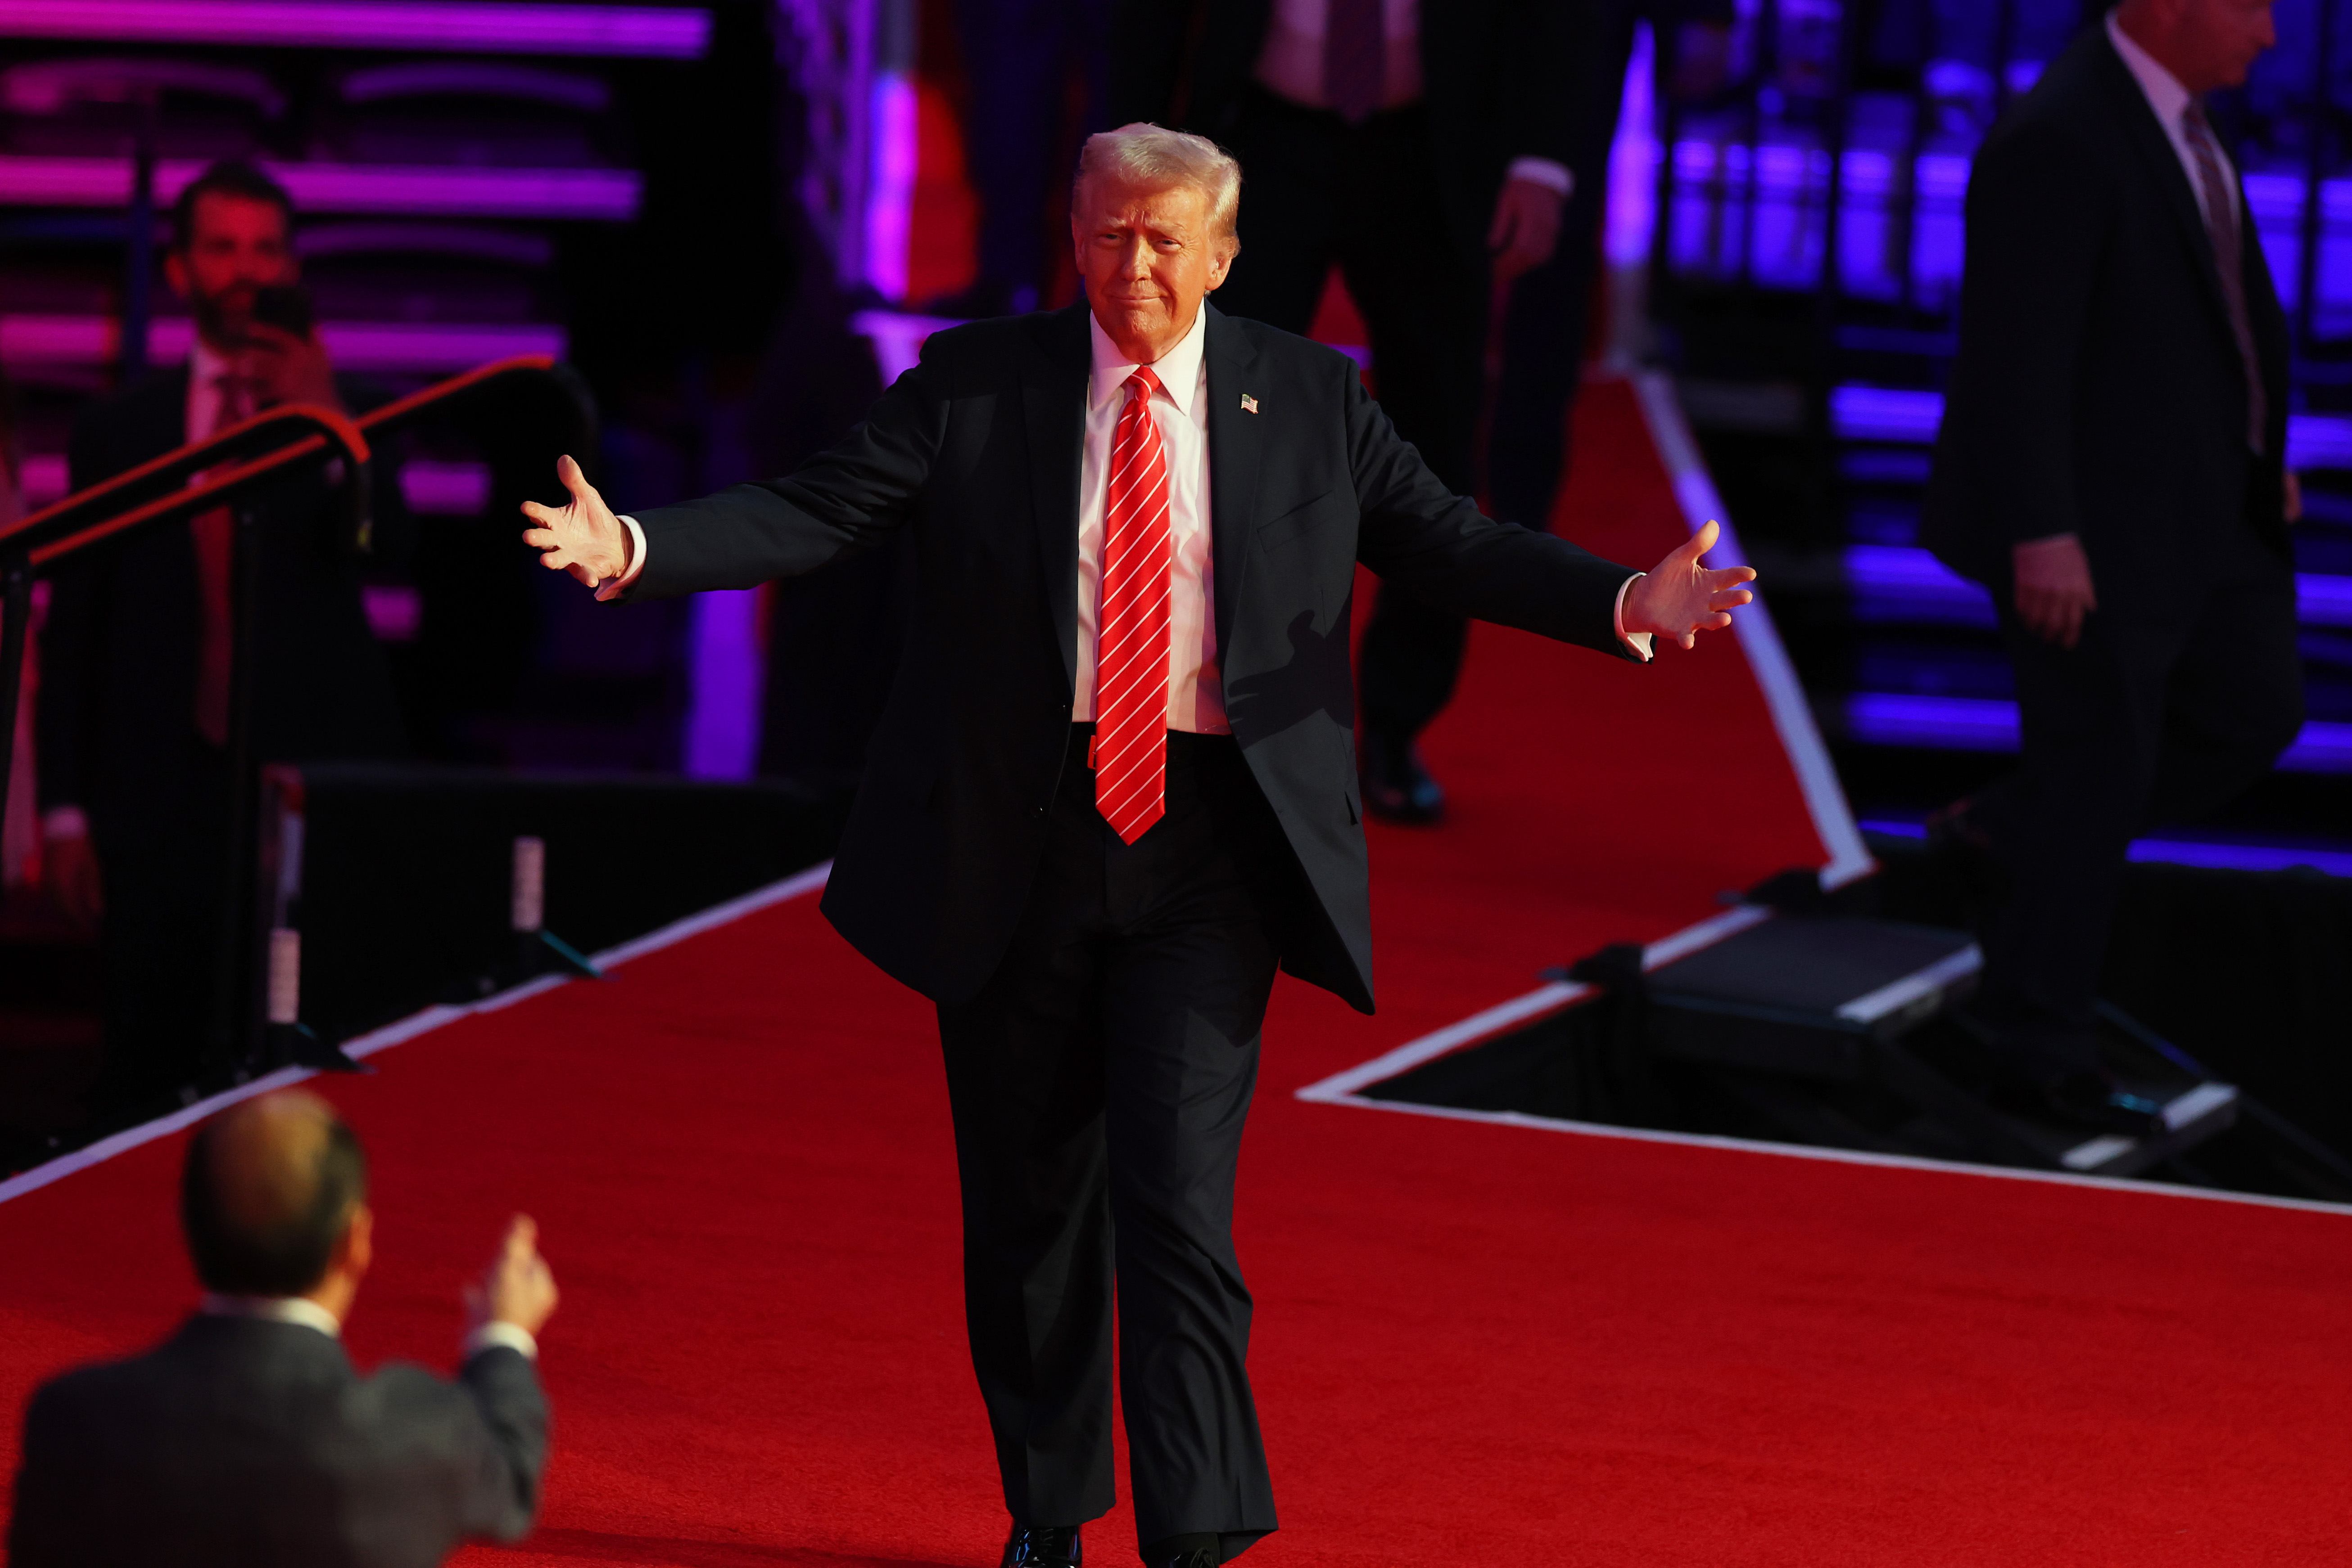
2098 390
1499 77
119 648
244 1443
977 451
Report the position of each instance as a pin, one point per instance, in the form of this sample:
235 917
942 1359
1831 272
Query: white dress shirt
1196 691
308 1314
2169 99
1290 64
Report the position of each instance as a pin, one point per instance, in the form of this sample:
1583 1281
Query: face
2218 39
237 246
1148 258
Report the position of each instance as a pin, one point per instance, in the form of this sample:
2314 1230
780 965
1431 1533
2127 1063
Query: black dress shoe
1198 1557
1397 788
1042 1546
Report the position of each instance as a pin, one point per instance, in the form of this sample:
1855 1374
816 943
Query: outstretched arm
840 501
1412 531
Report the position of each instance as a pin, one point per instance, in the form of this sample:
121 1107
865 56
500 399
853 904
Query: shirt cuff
495 1335
1638 641
65 822
612 587
1549 173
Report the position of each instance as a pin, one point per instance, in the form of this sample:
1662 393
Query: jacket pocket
1298 521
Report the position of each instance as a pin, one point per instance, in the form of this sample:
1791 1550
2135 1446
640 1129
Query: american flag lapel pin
1249 404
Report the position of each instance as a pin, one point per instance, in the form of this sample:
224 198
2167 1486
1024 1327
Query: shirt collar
1179 369
274 1309
2162 88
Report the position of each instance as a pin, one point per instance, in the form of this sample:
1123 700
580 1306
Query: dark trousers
1098 1084
1550 313
165 883
1367 198
1018 57
2144 721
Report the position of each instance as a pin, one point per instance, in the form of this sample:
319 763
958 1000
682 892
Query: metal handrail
264 447
56 529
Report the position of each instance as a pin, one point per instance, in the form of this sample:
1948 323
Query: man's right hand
518 1288
583 537
69 866
2053 587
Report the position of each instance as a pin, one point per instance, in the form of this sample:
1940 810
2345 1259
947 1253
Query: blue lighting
1988 724
2203 853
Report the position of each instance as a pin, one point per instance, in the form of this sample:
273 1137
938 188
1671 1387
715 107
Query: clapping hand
1681 598
581 537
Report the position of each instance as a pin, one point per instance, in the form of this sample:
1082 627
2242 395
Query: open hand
1681 598
518 1288
581 537
2053 587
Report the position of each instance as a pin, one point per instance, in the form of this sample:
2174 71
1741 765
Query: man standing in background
135 653
2111 467
1551 305
1423 152
1019 59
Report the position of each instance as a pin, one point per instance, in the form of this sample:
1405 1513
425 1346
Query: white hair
1155 159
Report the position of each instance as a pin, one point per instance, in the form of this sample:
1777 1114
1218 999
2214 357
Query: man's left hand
1526 229
284 368
1681 598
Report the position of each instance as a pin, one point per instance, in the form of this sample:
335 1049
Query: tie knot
1143 382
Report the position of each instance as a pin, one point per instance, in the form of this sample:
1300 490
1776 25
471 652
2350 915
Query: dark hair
285 1257
229 177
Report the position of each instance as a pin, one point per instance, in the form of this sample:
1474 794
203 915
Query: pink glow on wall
30 342
601 196
643 31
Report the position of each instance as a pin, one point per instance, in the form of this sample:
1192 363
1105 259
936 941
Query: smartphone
286 306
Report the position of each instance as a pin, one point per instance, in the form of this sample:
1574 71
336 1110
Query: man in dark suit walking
2111 466
133 720
1426 150
1115 788
246 1437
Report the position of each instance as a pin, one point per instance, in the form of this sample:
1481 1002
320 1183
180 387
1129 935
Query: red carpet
1475 1344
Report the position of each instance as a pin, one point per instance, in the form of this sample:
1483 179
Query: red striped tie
1131 663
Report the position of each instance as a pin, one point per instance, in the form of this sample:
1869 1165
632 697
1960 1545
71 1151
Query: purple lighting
1988 724
2217 856
641 31
1902 414
1902 582
29 342
411 190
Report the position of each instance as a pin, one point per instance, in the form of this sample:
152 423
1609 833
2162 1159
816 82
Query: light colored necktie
2222 229
1130 748
213 533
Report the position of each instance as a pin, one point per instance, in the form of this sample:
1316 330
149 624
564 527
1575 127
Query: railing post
15 613
234 1041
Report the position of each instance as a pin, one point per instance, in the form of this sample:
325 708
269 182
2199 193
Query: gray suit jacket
253 1443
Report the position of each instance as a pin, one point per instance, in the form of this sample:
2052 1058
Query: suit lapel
1054 410
1236 452
2154 147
